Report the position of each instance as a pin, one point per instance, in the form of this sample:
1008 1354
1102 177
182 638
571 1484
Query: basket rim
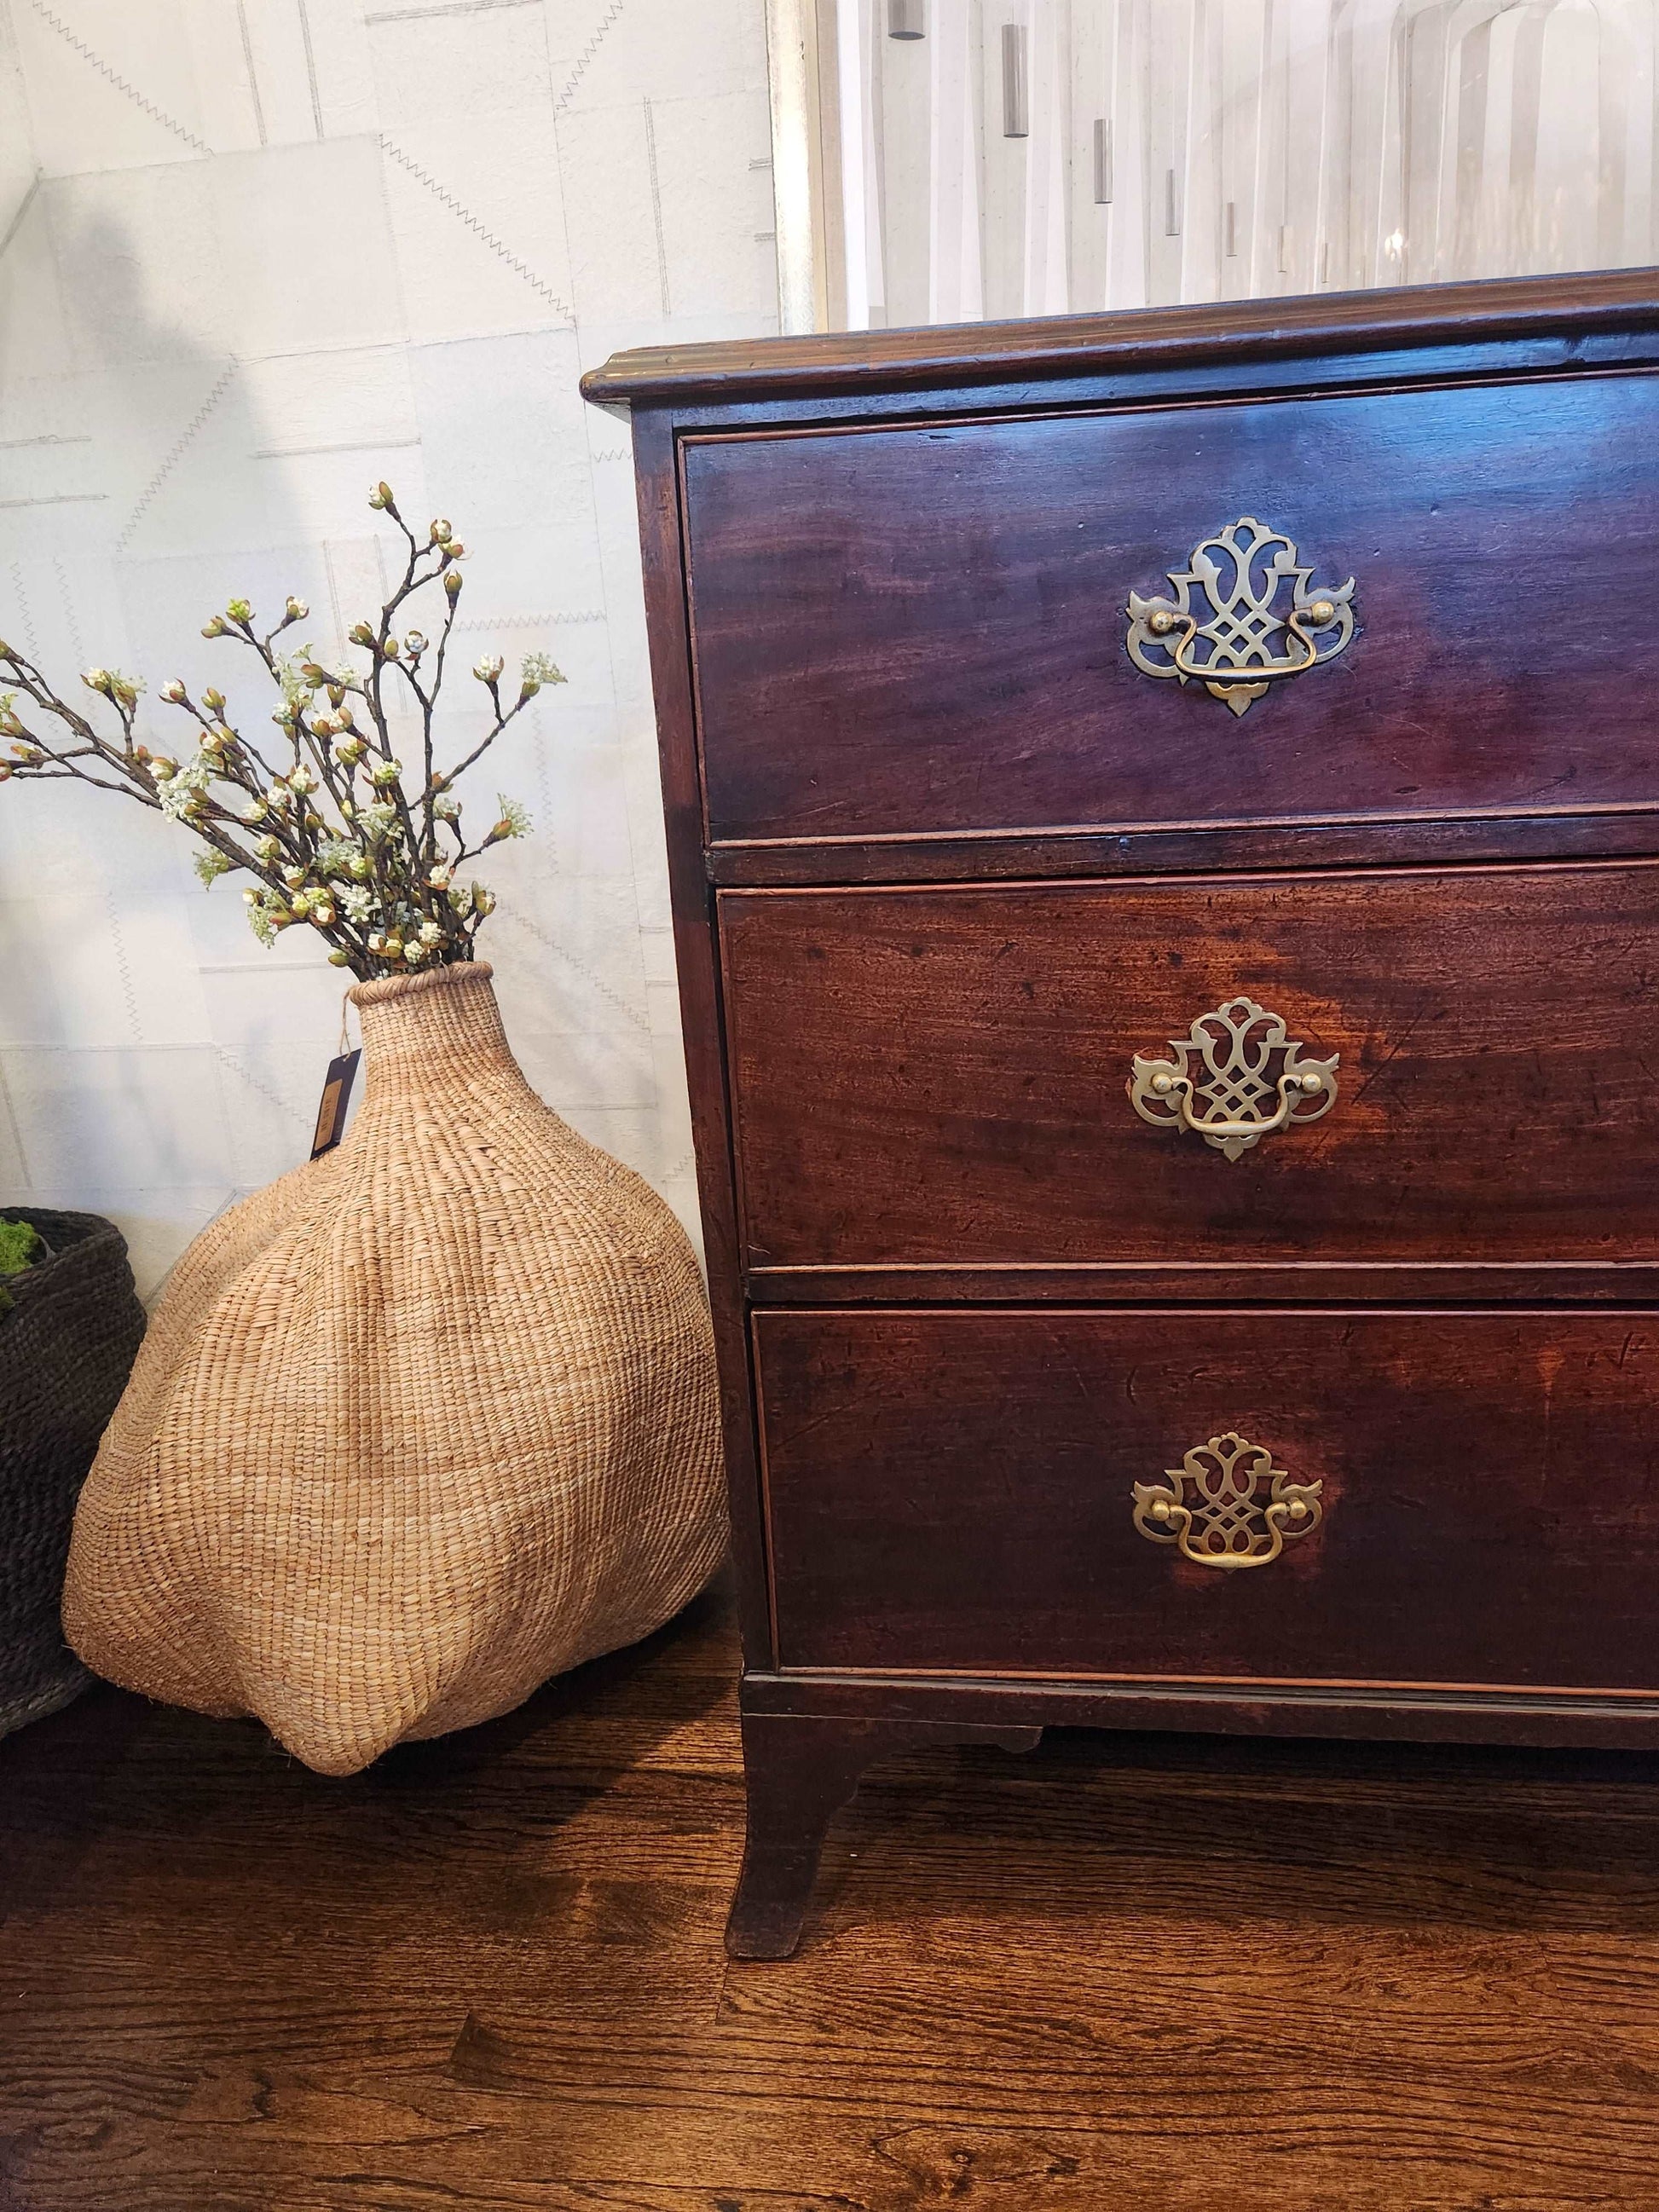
380 988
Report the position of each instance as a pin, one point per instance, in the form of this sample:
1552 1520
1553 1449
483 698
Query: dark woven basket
66 1348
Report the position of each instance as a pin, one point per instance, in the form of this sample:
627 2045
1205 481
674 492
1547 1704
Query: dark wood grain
1568 310
696 965
939 1075
1131 1974
921 628
885 579
952 1491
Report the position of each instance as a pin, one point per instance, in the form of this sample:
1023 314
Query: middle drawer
940 1076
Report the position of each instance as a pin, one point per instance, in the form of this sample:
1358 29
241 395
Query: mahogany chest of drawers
1164 825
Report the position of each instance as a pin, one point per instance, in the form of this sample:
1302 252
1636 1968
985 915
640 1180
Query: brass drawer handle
1227 1505
1236 574
1228 1065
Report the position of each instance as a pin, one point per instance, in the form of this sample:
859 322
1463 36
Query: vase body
431 1419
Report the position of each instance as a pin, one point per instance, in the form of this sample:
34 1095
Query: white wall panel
257 254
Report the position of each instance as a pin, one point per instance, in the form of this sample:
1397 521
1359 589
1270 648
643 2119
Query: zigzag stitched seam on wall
495 244
563 952
226 1057
190 430
123 969
533 621
156 114
580 70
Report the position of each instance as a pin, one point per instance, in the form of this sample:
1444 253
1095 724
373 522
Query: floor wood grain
1158 1972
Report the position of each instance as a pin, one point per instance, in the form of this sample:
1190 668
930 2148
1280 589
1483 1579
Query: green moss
21 1246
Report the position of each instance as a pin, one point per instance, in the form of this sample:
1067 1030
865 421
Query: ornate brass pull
1227 1505
1236 574
1228 1065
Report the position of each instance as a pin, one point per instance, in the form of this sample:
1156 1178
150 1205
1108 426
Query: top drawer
921 629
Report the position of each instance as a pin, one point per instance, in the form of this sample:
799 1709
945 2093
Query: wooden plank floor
1128 1972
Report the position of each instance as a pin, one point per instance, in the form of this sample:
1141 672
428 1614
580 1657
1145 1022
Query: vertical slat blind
1027 157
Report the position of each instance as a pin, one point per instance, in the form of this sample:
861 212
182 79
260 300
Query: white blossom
181 794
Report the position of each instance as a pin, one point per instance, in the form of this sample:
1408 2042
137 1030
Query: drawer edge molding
1447 840
1409 1283
1250 1689
1586 1720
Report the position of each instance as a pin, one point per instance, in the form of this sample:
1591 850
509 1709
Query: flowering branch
331 834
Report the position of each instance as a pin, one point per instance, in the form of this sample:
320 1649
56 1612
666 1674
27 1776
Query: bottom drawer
1375 1497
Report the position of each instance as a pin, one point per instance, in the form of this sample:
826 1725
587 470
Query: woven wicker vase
429 1420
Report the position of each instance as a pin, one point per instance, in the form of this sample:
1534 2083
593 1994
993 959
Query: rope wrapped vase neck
439 1029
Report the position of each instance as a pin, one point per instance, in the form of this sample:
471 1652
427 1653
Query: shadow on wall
138 1076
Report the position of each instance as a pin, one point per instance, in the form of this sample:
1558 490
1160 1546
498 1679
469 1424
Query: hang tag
336 1096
